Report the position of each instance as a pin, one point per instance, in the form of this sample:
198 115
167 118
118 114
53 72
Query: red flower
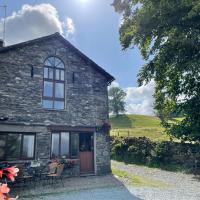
11 172
3 191
4 188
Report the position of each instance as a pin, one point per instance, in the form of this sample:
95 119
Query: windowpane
48 63
86 142
55 145
48 89
59 105
62 75
60 65
59 90
47 104
64 149
52 61
13 146
57 74
57 61
74 145
28 146
50 73
2 145
45 72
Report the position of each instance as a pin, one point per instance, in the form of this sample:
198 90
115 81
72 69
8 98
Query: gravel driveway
180 186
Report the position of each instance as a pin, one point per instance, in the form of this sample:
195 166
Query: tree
116 100
167 33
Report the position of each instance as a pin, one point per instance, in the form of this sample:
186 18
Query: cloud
114 84
70 26
140 100
34 21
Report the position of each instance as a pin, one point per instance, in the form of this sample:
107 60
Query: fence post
118 134
128 134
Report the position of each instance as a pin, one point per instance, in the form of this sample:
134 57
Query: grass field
138 126
138 180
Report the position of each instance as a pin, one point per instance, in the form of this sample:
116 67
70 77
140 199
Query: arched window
54 84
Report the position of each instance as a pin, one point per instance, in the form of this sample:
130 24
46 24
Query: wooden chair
51 170
57 175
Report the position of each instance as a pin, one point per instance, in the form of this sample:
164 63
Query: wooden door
86 153
86 162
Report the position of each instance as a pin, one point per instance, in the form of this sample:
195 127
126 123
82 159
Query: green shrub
163 153
167 155
133 150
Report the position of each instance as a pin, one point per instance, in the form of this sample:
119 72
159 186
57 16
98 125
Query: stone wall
163 154
21 97
102 153
21 94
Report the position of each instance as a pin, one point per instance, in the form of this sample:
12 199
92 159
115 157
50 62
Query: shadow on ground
90 188
196 177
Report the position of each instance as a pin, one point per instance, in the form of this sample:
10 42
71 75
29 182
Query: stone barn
53 105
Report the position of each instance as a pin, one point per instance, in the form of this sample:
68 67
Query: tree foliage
116 100
167 33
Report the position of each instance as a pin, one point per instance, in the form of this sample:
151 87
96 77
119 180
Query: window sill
54 110
17 161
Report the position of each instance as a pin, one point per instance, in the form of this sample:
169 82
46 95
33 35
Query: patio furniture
45 172
24 178
37 173
52 167
53 177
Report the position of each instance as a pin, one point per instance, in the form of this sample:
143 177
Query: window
74 145
54 84
60 145
64 145
28 146
15 146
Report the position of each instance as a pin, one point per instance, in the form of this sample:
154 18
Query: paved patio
116 193
90 188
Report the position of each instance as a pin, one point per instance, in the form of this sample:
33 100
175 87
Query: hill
138 126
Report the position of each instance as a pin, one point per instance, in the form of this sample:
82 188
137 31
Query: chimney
1 43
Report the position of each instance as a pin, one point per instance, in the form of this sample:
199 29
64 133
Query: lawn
137 180
138 126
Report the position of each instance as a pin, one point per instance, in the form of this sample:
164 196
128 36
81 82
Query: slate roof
57 35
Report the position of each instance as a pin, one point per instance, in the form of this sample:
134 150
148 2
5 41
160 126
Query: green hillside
138 126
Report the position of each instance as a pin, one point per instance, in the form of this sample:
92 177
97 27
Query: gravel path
180 186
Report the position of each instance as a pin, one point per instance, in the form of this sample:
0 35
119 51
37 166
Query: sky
90 25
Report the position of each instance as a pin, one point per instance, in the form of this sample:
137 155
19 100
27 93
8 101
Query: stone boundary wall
143 150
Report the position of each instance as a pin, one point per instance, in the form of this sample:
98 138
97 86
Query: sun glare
84 1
